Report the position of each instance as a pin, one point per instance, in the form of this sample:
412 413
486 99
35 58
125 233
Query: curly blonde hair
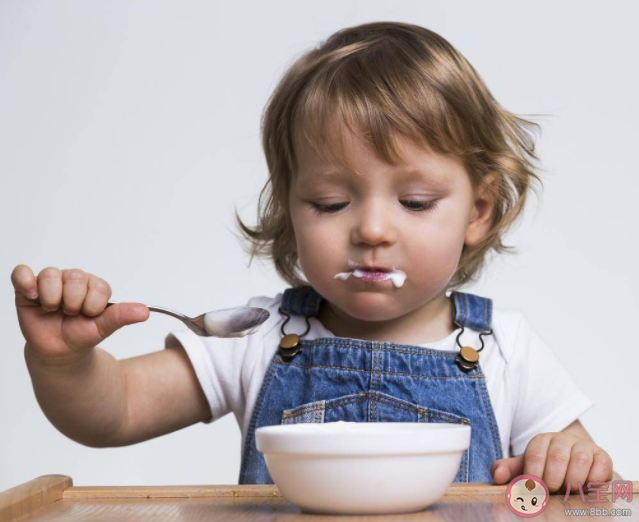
388 79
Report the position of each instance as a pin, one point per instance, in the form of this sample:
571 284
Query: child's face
374 228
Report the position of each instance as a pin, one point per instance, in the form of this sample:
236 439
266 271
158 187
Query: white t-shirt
530 389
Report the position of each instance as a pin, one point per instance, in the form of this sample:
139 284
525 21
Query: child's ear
482 210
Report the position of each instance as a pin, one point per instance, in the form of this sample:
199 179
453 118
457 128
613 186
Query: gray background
129 131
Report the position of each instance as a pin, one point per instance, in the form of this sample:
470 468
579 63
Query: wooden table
53 498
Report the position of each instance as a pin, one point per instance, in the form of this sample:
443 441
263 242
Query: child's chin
370 307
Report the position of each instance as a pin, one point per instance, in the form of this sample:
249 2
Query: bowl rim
363 438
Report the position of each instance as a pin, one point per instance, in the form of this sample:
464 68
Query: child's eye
415 206
328 209
420 206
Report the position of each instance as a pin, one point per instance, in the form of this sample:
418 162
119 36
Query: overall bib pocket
374 407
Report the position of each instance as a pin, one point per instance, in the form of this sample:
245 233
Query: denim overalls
343 379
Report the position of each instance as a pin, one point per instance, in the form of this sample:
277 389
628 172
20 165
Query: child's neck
429 323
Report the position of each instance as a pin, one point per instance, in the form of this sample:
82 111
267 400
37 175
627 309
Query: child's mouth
370 275
373 274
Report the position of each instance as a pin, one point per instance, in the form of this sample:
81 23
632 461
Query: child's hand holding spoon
65 313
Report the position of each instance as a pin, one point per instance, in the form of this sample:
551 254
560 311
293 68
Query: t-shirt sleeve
218 364
548 397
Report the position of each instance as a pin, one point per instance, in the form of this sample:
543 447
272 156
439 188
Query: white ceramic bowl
363 467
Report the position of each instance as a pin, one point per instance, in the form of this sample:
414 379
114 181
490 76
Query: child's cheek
434 258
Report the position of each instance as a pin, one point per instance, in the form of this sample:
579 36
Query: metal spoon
228 322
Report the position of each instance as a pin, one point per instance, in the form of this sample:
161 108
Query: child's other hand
557 458
63 313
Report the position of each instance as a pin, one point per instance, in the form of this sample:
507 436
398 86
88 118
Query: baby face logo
527 495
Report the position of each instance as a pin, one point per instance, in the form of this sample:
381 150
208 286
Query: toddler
393 173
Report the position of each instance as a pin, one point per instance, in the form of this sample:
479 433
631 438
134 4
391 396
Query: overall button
290 341
464 365
469 354
289 347
290 352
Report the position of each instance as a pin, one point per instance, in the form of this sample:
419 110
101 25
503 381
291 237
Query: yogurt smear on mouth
397 277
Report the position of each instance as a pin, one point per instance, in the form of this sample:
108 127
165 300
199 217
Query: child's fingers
581 459
97 297
535 455
557 461
24 282
50 288
601 469
504 470
74 290
119 315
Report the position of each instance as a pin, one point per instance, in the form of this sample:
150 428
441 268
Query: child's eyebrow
415 173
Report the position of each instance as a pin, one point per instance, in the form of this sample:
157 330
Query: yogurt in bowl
363 468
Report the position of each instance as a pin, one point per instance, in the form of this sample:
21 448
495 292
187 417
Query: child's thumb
118 315
504 470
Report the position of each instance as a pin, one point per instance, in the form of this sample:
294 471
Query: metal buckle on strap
468 358
290 344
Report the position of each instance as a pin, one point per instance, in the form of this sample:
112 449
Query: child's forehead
318 162
339 144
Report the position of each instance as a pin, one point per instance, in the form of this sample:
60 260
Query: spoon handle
161 310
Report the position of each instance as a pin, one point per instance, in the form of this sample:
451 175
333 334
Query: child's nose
373 225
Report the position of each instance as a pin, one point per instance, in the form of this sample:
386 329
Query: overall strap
473 311
301 300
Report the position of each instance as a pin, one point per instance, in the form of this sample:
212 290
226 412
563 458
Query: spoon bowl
238 321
